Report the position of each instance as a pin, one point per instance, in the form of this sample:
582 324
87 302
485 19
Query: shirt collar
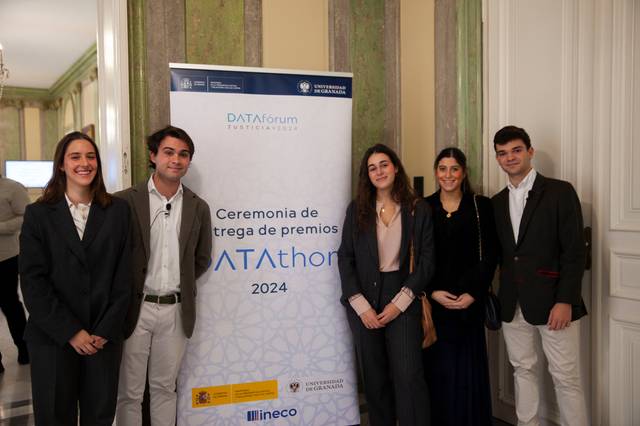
70 203
526 183
151 187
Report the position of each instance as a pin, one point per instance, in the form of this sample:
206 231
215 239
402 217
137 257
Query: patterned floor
15 384
15 387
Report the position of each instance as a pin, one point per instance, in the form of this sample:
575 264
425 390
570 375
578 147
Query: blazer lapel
188 216
533 198
141 207
504 213
94 224
64 224
372 242
407 232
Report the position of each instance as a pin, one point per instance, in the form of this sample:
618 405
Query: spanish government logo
186 83
304 87
203 398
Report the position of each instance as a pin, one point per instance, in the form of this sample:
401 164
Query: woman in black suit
75 278
466 246
385 230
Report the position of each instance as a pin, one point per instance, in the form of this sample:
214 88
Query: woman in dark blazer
466 246
383 226
75 279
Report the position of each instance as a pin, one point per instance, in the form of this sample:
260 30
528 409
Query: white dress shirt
80 214
518 196
163 270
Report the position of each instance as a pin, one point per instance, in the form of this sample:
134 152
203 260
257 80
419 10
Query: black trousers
63 381
390 360
9 302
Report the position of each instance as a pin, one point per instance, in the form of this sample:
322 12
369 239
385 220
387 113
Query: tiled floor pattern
15 387
15 384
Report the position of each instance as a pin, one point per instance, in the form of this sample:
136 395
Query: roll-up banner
273 161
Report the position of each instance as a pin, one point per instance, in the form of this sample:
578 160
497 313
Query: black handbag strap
475 204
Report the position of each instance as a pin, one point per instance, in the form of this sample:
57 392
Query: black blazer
70 284
546 264
358 255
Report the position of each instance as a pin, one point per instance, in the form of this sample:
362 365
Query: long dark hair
402 192
57 185
461 159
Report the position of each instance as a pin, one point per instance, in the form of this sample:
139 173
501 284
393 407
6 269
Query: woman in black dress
456 366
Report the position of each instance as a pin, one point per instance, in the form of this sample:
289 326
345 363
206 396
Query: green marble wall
367 64
469 85
51 131
10 148
138 111
215 32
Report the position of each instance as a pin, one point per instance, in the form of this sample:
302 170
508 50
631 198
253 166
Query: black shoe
23 355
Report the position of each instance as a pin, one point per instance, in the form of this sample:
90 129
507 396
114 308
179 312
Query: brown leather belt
169 299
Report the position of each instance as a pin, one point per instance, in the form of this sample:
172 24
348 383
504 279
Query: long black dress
456 367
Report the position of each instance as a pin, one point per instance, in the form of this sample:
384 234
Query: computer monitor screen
30 173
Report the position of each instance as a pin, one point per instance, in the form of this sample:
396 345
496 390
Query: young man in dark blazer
539 225
171 244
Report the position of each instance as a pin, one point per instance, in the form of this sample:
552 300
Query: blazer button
515 258
375 283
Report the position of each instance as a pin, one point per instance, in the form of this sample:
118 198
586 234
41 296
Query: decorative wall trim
498 68
625 372
392 124
23 142
569 91
24 94
624 274
69 82
625 196
81 69
253 33
113 87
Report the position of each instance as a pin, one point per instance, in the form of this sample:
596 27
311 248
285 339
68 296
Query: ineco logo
258 415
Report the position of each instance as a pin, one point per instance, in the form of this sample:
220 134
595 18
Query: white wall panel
625 373
625 274
625 126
